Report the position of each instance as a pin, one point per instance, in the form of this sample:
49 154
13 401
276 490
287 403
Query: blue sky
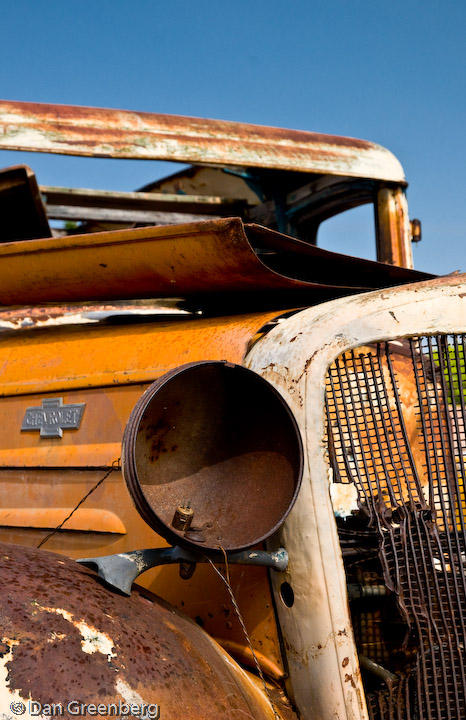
391 72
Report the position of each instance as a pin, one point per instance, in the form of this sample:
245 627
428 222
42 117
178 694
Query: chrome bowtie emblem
52 417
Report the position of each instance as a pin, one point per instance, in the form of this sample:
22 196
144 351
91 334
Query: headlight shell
220 438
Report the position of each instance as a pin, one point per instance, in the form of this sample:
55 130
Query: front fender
66 638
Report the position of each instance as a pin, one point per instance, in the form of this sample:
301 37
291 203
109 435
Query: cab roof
99 132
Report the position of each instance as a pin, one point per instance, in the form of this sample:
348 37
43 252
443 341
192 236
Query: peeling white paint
58 611
56 636
93 640
344 498
7 695
127 693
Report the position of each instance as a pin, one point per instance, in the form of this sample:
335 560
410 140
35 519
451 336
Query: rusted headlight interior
212 457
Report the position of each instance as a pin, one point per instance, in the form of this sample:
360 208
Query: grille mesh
396 423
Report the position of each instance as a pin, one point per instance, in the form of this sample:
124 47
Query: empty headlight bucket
212 456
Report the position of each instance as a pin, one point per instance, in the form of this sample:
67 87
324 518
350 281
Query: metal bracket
120 571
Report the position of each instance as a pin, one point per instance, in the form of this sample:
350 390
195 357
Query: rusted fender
65 637
98 132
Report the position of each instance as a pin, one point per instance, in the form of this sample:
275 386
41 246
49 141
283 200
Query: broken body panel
287 180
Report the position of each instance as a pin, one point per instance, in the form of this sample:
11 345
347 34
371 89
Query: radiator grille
396 423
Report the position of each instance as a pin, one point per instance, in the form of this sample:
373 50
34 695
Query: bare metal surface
98 132
109 648
219 437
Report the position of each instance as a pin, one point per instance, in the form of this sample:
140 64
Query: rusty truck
232 462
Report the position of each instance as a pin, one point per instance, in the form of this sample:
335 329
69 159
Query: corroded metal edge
99 132
187 260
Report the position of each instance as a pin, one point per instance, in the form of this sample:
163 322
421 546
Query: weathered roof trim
99 132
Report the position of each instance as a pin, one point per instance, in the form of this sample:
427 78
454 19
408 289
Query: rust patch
102 132
58 622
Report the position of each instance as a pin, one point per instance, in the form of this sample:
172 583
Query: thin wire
226 581
115 466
